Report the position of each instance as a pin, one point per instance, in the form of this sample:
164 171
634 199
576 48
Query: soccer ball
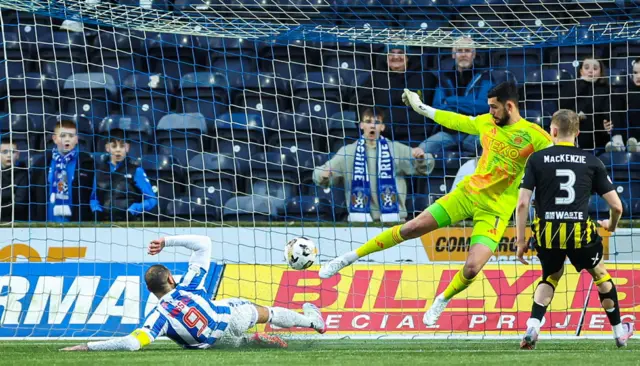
300 253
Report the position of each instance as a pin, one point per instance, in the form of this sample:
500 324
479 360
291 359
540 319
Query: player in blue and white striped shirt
186 315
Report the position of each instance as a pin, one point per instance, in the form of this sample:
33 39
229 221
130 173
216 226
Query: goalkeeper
187 316
488 196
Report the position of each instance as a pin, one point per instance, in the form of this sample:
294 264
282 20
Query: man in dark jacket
384 89
61 182
14 182
122 190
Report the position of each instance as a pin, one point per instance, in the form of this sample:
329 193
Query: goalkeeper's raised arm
447 119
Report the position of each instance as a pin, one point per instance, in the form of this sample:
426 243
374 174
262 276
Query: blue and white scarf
360 206
61 176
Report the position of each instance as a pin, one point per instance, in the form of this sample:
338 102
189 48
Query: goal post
231 106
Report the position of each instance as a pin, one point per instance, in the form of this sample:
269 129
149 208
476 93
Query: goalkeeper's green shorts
488 227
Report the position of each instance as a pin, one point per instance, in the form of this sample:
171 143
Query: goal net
228 112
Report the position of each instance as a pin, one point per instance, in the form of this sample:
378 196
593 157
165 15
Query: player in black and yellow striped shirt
564 178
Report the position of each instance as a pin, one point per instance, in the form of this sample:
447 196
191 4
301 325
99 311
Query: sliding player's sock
537 313
384 240
611 306
458 284
285 318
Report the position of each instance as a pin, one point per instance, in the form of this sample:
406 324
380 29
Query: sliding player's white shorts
244 316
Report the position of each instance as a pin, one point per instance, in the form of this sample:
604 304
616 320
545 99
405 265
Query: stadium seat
147 95
343 130
307 208
240 135
285 59
117 54
196 5
85 132
180 135
295 134
212 180
316 85
545 84
231 57
152 4
189 208
19 128
172 55
205 93
264 94
318 112
33 94
618 165
138 133
12 51
89 95
166 178
249 208
352 68
62 53
520 62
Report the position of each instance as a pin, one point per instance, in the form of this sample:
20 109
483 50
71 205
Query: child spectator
14 182
121 187
62 180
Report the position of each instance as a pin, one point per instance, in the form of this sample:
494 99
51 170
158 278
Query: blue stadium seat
12 52
250 208
545 84
19 127
343 130
275 166
62 54
618 165
89 95
85 131
307 208
240 135
319 113
172 55
283 58
232 57
317 85
166 177
196 5
205 93
33 94
307 167
500 76
296 135
618 79
520 62
213 177
189 208
335 195
180 135
138 133
147 95
264 94
119 54
153 4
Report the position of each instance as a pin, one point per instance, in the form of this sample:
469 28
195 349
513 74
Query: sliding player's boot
268 341
433 314
530 339
628 332
313 313
334 266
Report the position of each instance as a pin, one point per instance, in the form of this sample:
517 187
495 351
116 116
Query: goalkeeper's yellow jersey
494 184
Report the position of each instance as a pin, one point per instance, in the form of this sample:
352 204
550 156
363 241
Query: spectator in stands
462 90
62 180
14 183
373 170
384 89
121 189
594 105
633 116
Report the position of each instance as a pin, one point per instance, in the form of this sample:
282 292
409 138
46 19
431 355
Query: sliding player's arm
447 119
604 187
154 326
522 209
199 262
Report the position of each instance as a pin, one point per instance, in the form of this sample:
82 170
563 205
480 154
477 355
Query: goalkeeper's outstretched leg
606 291
486 228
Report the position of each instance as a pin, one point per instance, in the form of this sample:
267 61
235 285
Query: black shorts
553 259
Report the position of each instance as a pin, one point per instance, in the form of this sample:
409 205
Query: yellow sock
384 240
457 285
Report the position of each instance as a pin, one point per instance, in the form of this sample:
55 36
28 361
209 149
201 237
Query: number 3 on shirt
566 186
194 319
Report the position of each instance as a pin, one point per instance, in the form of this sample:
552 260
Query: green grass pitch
339 352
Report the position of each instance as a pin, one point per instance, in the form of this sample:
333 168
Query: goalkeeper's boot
530 339
433 314
334 266
628 332
268 341
313 313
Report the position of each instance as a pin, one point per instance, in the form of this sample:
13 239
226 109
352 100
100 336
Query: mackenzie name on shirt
565 158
